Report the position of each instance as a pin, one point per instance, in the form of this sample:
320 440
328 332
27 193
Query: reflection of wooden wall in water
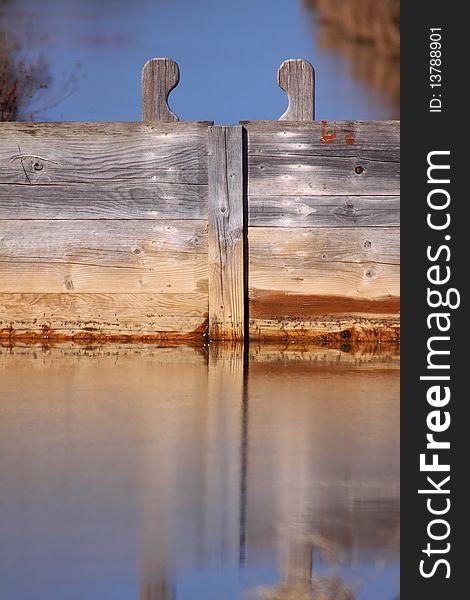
367 32
209 461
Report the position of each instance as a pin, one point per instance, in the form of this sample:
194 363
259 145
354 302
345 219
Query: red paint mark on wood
350 141
328 136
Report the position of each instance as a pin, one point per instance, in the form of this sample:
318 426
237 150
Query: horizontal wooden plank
132 239
345 330
320 158
344 280
145 314
324 211
372 140
103 256
63 153
321 175
107 200
306 247
279 306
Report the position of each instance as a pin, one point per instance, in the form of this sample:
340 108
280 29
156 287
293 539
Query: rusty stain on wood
326 330
276 305
84 337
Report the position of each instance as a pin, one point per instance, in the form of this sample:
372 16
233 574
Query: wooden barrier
324 252
167 230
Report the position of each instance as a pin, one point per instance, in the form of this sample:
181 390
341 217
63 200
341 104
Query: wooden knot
297 78
159 77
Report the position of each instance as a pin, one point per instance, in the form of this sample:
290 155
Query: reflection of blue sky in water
228 54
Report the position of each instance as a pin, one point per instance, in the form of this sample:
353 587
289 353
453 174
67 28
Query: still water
92 52
182 474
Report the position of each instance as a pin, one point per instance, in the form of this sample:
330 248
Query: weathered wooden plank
108 200
344 329
132 240
72 314
319 282
105 255
303 306
92 153
321 175
323 211
226 236
159 77
297 78
372 140
323 158
306 247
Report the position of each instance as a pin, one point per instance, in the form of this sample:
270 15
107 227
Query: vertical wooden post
297 78
159 77
226 233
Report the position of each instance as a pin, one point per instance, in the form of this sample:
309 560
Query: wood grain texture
325 262
100 153
306 247
374 140
324 211
108 200
226 236
159 77
323 204
320 282
326 330
297 78
72 314
103 256
334 158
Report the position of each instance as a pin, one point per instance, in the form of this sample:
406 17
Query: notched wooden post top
297 78
159 77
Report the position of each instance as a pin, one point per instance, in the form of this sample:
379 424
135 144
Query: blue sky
228 54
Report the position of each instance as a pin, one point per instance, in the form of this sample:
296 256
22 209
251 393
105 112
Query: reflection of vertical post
157 591
244 459
298 565
228 383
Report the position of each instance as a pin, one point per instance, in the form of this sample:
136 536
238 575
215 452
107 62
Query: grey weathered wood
324 211
159 77
373 140
94 153
320 158
297 78
321 176
305 247
124 199
226 236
